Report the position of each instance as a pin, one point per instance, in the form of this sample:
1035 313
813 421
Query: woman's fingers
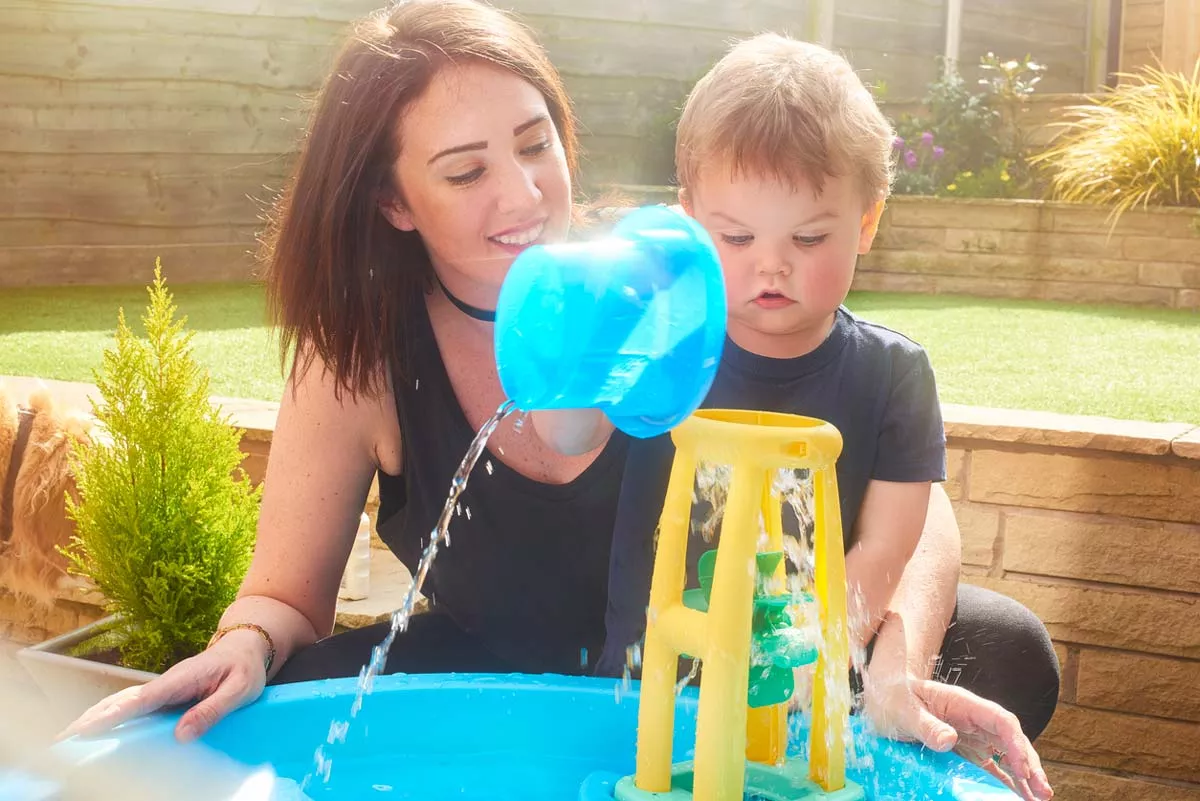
230 694
180 684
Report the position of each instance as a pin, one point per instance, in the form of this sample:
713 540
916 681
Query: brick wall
1095 525
1092 523
1036 249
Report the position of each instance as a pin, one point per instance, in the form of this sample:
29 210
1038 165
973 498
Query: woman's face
481 176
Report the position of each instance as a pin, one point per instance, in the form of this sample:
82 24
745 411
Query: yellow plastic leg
721 722
831 701
660 663
766 727
766 734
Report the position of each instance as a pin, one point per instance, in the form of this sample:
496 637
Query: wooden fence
131 129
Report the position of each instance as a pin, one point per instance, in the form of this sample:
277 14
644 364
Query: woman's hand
221 679
943 717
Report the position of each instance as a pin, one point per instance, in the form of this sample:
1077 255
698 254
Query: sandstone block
1122 618
1188 299
1112 550
990 240
869 281
1176 223
1161 249
1144 685
1184 276
1049 429
1076 483
956 472
1098 292
1068 669
896 237
979 526
1099 245
1148 746
1188 445
1005 215
1073 783
1070 267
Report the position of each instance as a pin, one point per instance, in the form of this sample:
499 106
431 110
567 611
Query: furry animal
35 445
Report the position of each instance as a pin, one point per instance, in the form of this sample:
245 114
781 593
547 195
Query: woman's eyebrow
469 146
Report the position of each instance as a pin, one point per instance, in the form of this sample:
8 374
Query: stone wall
1092 523
1036 249
1095 525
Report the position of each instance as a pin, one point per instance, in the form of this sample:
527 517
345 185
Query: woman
440 147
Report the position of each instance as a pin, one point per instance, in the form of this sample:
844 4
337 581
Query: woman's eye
540 147
466 177
809 241
739 239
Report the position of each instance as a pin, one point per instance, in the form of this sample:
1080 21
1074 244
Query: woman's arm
323 457
572 432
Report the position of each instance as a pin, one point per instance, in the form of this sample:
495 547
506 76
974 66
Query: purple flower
910 159
898 143
938 152
927 139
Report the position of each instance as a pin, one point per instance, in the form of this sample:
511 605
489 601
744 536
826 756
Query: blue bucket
632 324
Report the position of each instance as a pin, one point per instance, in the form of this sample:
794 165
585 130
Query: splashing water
323 762
686 680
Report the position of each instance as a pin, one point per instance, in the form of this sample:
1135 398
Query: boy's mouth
772 300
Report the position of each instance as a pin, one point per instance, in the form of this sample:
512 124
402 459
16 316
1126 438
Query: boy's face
788 254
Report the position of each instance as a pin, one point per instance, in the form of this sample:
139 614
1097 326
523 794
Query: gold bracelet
221 632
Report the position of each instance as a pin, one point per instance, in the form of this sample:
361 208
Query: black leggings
995 647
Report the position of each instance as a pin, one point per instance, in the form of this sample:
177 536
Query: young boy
783 156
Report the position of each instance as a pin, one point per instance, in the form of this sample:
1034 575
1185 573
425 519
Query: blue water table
632 324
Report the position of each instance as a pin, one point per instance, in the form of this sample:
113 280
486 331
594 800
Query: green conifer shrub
165 523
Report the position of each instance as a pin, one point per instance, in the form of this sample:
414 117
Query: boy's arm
572 432
888 530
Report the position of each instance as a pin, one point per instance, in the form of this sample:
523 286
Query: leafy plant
978 128
917 163
1136 145
994 180
166 518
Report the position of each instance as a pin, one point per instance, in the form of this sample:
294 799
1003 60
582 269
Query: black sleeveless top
526 572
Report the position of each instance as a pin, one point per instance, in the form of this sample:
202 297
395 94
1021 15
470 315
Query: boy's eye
809 241
466 177
737 239
535 149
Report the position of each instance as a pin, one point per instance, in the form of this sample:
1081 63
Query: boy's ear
685 201
395 211
870 226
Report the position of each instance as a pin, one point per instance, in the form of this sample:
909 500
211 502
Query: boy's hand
944 717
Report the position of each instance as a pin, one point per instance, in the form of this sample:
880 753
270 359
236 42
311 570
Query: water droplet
468 512
417 384
488 466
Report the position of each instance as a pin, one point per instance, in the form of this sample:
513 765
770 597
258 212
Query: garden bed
1036 249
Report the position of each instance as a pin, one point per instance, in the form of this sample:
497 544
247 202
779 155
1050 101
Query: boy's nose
774 265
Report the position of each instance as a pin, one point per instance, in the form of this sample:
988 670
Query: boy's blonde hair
778 108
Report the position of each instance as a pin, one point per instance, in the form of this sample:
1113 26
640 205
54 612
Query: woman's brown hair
339 276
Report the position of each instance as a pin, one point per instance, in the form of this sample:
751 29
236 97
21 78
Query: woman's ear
870 226
395 211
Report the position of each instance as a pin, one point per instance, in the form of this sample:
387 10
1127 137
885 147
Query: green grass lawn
61 333
1105 360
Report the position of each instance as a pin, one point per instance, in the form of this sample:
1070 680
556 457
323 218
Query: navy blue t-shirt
875 385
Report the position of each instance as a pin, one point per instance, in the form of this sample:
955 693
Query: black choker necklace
466 308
